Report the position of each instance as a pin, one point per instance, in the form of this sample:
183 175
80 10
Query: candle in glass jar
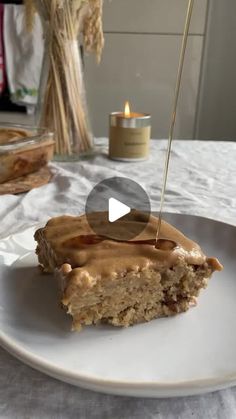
129 135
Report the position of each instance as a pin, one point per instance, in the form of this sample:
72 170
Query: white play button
116 209
117 198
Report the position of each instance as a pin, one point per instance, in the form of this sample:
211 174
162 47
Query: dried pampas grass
64 109
88 21
92 31
29 14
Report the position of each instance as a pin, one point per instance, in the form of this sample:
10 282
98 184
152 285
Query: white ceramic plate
191 353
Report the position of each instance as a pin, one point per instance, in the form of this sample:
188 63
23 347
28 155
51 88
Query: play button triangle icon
116 209
121 200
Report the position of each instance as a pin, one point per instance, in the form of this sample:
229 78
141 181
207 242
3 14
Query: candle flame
127 110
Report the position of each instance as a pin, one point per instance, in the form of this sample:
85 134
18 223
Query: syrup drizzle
93 239
173 118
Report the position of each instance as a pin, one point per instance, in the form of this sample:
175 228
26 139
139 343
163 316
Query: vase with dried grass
62 104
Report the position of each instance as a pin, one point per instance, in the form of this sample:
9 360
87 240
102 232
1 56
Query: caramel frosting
9 135
73 242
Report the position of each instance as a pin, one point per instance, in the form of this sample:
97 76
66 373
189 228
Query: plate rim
171 389
117 387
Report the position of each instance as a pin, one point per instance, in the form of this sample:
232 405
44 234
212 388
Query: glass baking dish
23 149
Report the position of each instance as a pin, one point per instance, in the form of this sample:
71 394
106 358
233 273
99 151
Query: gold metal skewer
173 118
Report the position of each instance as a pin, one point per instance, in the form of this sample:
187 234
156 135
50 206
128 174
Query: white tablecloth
202 181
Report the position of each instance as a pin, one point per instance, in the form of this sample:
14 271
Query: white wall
216 118
140 59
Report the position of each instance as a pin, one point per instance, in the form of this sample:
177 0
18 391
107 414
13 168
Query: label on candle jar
129 143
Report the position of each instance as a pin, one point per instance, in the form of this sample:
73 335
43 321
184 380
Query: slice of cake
122 282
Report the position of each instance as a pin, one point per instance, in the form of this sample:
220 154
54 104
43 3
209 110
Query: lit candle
129 135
